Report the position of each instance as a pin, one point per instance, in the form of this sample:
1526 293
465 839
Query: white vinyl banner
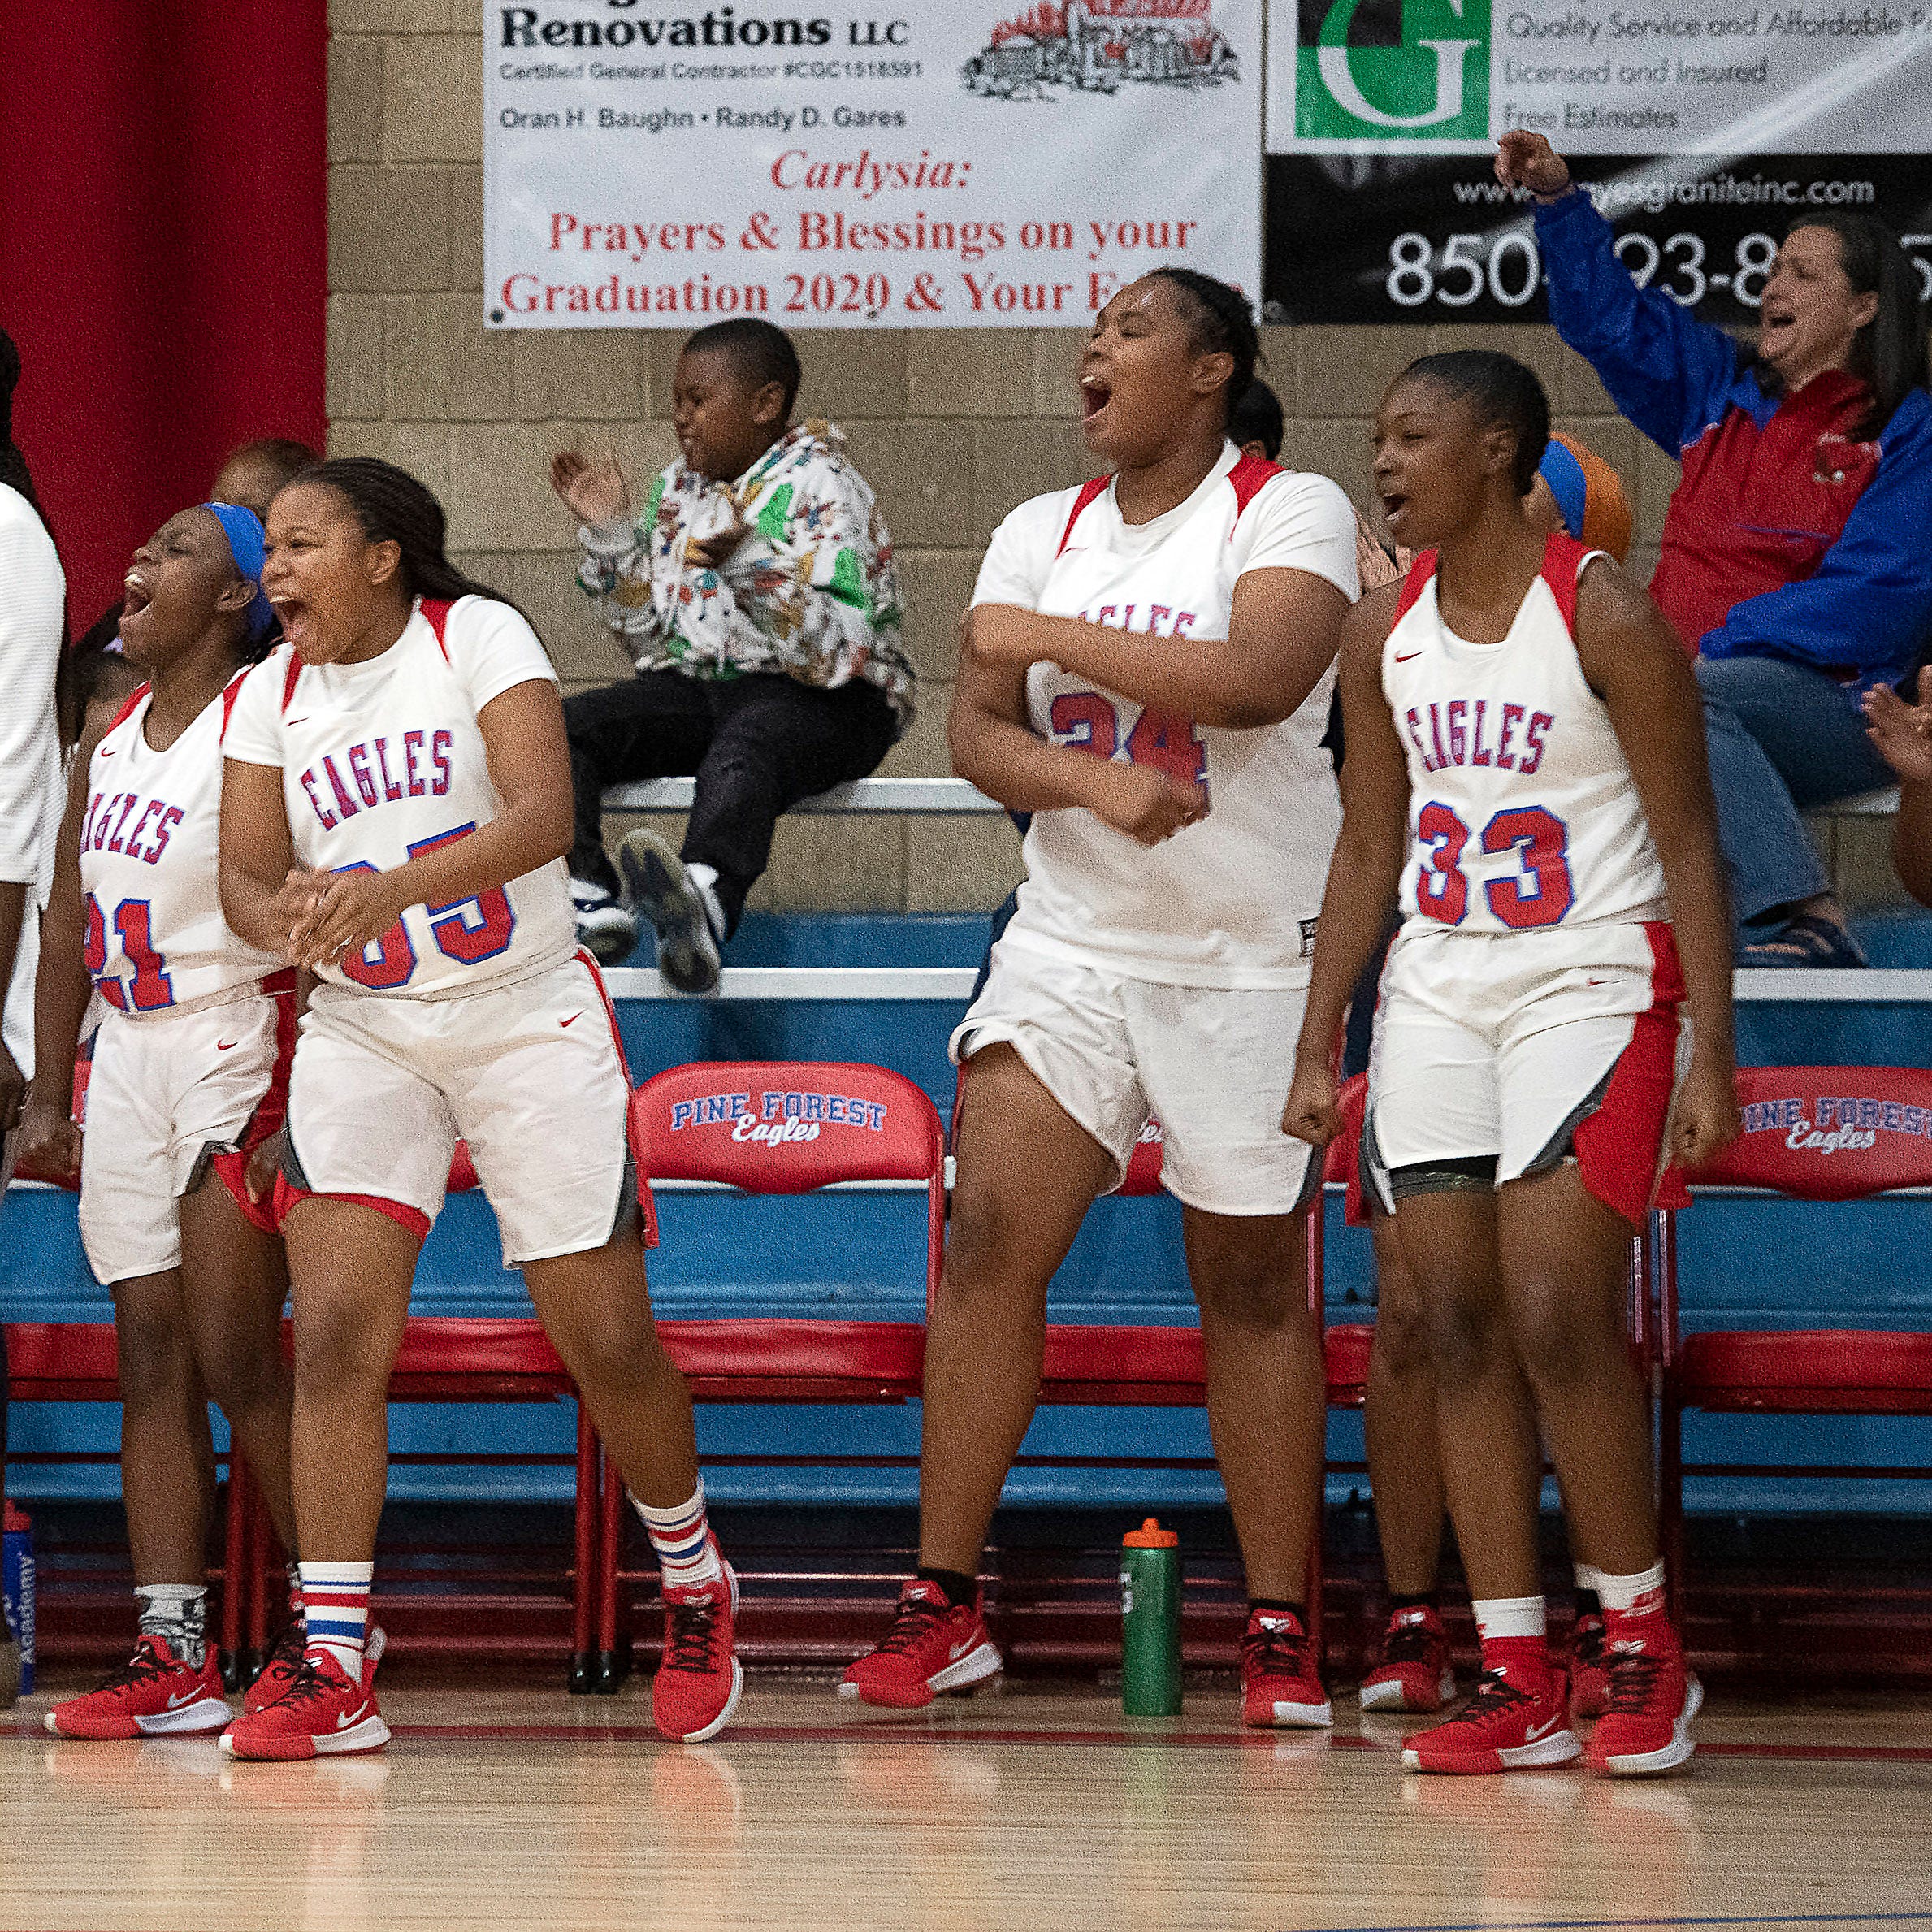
957 164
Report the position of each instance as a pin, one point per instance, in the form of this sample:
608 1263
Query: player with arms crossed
1147 669
1525 761
396 811
190 1070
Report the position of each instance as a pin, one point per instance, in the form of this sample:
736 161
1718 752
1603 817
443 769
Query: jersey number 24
1084 721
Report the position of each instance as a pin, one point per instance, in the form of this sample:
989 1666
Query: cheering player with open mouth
395 815
1526 759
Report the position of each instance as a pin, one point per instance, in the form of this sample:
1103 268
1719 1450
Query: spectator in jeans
757 589
1797 551
33 624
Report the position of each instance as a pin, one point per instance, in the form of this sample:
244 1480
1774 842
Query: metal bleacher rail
955 798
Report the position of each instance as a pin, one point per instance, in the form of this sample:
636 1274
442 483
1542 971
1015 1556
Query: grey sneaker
604 924
661 890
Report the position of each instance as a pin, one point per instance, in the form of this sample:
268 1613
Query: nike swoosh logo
577 1015
295 721
222 1045
1542 1730
182 1697
1403 657
348 1718
959 1650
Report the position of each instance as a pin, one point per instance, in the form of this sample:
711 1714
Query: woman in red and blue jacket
1797 549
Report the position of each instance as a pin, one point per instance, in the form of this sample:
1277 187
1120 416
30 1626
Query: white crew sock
1586 1576
1626 1593
681 1537
704 878
1499 1617
336 1609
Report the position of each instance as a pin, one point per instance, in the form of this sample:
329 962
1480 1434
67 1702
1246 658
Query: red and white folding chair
1811 1134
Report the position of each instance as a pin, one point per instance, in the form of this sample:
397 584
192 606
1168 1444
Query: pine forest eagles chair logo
1392 71
1094 45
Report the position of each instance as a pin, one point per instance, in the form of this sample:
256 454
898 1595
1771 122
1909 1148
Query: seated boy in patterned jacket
756 590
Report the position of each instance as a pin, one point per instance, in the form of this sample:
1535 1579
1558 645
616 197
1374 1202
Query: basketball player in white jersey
1146 669
190 1069
396 811
1526 758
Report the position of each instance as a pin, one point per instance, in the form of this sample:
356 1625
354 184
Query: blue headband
1565 475
247 545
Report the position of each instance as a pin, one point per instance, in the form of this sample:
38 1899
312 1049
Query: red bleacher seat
778 1127
80 1361
1811 1133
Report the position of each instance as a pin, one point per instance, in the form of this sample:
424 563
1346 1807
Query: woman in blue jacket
1797 550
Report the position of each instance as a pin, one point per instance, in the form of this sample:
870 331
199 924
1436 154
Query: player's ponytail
392 507
1222 320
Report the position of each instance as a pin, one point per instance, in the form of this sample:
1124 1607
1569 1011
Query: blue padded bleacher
1867 1264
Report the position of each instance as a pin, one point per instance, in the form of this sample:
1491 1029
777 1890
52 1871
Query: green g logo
1392 70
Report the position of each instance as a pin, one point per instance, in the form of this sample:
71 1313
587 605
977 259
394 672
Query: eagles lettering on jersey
1522 811
383 760
1515 742
150 842
105 826
421 770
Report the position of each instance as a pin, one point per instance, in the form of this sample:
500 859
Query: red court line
1182 1740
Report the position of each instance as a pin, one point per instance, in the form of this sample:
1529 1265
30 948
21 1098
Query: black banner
1394 239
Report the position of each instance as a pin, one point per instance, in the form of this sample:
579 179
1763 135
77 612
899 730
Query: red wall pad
164 254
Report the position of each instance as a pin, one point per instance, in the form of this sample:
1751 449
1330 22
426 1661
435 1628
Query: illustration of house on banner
1097 45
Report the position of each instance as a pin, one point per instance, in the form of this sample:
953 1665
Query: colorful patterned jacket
1794 534
810 591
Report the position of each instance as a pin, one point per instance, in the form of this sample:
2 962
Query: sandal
1805 941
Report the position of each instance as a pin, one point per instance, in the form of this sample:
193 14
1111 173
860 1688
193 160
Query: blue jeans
1784 738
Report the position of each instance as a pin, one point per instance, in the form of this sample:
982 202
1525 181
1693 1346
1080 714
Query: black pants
756 745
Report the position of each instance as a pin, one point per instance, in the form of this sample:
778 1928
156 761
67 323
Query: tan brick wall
952 428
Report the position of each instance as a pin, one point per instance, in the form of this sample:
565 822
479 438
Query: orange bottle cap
1149 1535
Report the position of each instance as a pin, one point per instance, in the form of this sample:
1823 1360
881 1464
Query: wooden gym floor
1033 1810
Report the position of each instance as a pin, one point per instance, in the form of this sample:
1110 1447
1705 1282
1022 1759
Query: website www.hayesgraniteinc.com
1654 195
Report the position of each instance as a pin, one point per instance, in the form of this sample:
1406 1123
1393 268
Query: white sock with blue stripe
336 1609
681 1537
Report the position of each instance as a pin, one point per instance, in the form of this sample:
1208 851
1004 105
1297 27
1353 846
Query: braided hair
392 507
1502 390
1221 321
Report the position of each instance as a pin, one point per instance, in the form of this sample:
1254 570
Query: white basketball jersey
383 760
1522 810
150 844
1230 901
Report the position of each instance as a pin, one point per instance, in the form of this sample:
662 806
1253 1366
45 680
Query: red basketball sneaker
153 1695
1652 1699
323 1714
1589 1668
932 1647
697 1686
1517 1717
1415 1673
1280 1682
286 1658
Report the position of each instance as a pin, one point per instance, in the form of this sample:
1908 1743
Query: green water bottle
1150 1621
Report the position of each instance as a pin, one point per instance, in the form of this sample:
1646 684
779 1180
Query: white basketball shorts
1525 1049
531 1074
1212 1063
171 1094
